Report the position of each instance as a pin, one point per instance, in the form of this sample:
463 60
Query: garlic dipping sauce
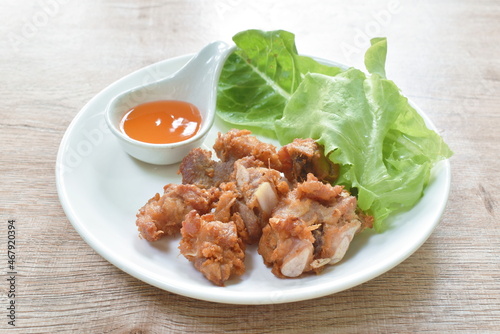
161 122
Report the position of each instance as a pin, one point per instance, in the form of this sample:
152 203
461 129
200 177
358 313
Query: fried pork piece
231 207
249 197
295 160
199 169
163 215
213 247
237 144
261 187
310 228
304 156
255 191
287 245
248 191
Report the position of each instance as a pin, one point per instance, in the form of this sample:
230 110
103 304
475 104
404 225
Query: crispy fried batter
287 246
231 206
198 168
163 215
237 144
304 156
213 247
260 188
311 227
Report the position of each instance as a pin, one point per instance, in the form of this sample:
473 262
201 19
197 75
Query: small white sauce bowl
196 83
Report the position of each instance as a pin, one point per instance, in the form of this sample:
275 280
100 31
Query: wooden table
55 55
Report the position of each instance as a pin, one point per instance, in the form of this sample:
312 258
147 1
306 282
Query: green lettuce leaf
376 55
383 146
259 78
367 126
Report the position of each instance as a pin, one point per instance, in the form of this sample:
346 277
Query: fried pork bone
295 160
213 247
312 227
287 246
198 168
237 144
163 215
231 207
248 191
304 156
249 197
261 188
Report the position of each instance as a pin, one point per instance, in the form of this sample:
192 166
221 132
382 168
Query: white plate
101 188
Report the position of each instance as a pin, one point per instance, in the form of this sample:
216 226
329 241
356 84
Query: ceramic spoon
196 83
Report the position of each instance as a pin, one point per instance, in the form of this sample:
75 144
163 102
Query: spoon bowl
196 83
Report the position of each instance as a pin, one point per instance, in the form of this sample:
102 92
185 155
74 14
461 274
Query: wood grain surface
55 55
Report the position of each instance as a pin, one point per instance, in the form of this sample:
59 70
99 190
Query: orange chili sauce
162 122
